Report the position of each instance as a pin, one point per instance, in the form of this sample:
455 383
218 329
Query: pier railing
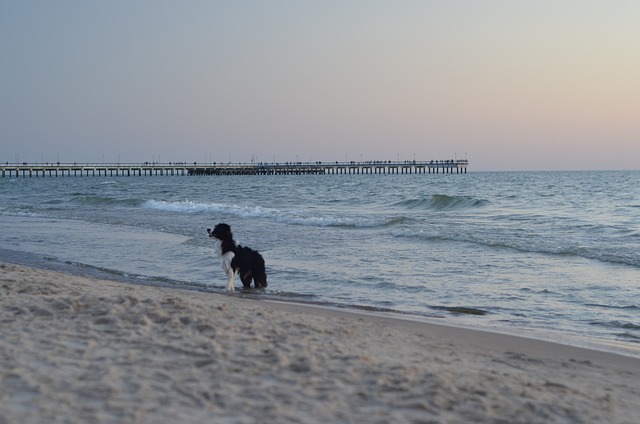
24 169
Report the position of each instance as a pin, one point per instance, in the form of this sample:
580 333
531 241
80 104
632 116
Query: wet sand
76 350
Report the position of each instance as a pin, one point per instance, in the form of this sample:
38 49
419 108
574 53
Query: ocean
550 255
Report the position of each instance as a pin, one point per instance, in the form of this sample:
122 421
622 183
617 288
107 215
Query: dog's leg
228 269
246 280
230 286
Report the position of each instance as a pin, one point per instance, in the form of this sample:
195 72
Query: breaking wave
291 216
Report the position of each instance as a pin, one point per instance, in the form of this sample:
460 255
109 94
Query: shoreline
591 343
604 346
79 349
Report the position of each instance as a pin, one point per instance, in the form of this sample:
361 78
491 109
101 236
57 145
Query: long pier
458 166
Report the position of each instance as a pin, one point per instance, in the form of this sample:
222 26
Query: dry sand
78 350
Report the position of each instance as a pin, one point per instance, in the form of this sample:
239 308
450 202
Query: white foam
293 217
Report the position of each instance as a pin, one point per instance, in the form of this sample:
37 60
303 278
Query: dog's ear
223 229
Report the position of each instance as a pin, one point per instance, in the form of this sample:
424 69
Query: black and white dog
238 260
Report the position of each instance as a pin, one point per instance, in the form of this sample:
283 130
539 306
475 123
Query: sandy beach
79 350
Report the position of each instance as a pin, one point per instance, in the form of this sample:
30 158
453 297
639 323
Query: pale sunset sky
510 85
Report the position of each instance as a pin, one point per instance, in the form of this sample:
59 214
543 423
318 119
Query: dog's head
221 232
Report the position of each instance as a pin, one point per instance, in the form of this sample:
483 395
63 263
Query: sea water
553 255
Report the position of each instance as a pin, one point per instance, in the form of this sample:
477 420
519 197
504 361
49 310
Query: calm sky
510 85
